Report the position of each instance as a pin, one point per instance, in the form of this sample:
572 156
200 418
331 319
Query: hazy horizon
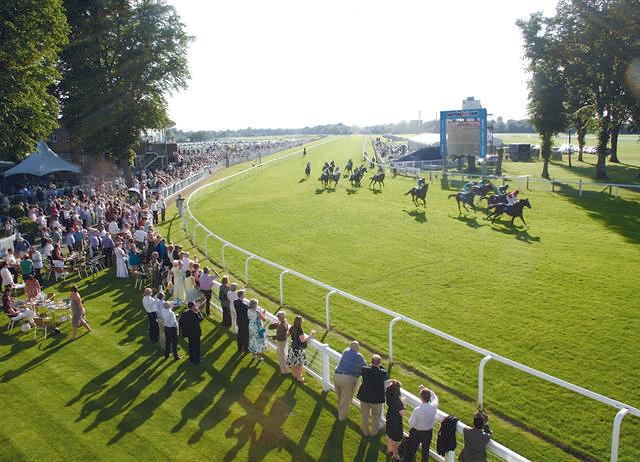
286 65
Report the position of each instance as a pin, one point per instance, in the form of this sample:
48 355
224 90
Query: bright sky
293 63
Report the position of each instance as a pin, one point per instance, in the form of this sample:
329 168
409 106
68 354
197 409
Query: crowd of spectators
387 149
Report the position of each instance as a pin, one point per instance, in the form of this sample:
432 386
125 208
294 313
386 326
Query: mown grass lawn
558 296
111 396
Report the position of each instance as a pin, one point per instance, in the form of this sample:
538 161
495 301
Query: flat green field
559 295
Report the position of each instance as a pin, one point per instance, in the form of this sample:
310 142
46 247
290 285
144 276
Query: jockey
467 187
420 182
308 165
512 198
502 190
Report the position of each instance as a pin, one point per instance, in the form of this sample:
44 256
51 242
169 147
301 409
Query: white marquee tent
42 162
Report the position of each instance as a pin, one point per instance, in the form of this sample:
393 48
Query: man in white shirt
140 235
113 228
421 422
36 258
7 277
149 303
162 206
170 332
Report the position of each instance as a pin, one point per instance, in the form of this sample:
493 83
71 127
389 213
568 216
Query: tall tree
601 38
547 91
32 33
125 56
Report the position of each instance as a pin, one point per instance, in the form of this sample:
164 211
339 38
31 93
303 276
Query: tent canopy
42 162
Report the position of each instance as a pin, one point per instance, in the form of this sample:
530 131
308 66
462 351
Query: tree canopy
32 33
590 45
124 57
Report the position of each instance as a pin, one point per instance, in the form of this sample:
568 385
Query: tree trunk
581 133
615 131
603 138
545 151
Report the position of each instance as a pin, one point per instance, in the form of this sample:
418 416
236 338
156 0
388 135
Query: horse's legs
522 218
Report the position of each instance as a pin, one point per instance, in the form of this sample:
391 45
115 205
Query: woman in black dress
395 411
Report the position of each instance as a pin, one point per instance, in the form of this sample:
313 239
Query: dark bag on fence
447 435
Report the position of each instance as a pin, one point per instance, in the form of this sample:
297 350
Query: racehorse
419 194
495 199
464 198
324 177
514 211
378 178
349 167
356 177
307 170
335 177
483 188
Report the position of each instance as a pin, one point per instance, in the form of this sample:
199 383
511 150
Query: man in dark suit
242 320
371 395
190 321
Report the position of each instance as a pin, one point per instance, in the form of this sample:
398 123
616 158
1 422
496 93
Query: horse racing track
558 295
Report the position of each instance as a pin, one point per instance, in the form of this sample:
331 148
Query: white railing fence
527 182
191 224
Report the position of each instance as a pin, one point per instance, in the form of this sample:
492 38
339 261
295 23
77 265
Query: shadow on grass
618 173
375 191
619 215
521 234
351 191
418 215
302 180
320 190
470 221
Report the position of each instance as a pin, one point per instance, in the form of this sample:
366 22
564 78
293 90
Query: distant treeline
411 126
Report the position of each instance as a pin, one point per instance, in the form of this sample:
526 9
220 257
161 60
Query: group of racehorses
497 198
331 175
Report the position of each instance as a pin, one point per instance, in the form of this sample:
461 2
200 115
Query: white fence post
206 244
615 435
483 363
246 270
450 456
282 273
326 307
224 262
195 227
391 324
326 373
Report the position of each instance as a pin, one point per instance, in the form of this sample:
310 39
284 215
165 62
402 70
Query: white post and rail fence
322 371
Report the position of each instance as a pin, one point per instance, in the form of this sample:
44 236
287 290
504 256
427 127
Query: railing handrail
482 351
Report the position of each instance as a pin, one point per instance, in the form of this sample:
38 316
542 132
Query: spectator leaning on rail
346 376
421 422
282 332
371 396
476 440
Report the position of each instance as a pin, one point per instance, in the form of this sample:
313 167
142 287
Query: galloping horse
356 177
349 167
335 177
514 211
419 193
324 177
307 170
378 178
464 198
483 188
495 199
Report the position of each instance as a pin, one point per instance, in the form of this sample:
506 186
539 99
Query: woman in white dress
232 296
121 264
178 282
